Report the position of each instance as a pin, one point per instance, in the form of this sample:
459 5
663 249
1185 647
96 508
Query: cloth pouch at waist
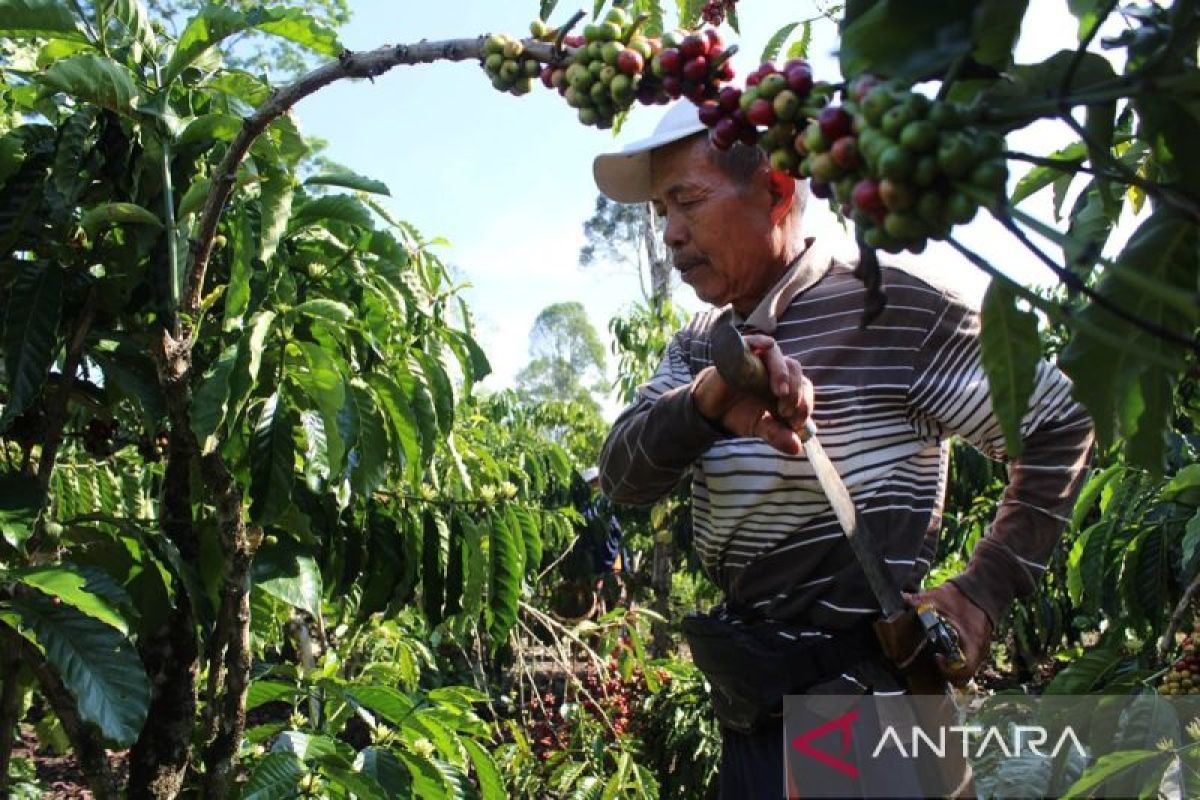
750 674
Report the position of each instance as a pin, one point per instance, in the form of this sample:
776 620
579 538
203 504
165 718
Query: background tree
251 50
629 234
566 357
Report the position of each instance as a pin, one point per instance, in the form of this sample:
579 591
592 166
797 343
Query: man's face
719 231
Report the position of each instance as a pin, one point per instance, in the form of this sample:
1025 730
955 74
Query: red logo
803 743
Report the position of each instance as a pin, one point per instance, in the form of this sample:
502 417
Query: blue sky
508 180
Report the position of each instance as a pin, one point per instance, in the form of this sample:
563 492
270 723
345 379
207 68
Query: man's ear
783 195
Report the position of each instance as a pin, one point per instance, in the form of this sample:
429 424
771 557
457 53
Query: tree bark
93 760
159 760
232 632
10 710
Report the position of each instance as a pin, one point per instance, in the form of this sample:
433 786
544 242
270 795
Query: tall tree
566 357
629 235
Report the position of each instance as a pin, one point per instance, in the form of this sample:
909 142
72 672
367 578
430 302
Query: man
885 400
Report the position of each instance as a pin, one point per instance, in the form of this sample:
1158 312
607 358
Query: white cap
590 474
625 176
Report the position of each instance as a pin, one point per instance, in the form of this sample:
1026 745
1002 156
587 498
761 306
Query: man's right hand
744 413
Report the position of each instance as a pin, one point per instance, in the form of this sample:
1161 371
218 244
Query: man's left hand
972 624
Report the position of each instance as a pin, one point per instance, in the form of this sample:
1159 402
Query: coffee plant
260 532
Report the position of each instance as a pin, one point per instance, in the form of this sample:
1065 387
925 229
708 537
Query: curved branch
1057 313
1177 617
1076 284
1156 190
349 65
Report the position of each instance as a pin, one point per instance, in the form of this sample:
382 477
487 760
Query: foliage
626 234
566 358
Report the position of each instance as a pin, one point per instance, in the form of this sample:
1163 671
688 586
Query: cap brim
625 176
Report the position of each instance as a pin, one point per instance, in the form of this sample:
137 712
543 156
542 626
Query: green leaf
397 405
262 692
1191 546
1010 351
193 199
72 586
369 459
275 778
249 362
900 39
212 24
386 770
297 26
134 17
435 555
360 785
349 180
491 785
440 388
799 48
208 129
504 589
210 401
96 663
1184 486
306 746
1118 388
775 43
21 500
1040 177
391 704
108 214
1045 79
241 268
94 79
997 25
275 200
334 208
272 461
414 386
1088 673
333 311
1108 766
1088 14
324 384
30 334
41 18
531 536
427 779
12 155
546 8
289 574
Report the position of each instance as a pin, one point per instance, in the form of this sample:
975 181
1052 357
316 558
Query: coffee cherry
834 122
630 62
761 112
693 47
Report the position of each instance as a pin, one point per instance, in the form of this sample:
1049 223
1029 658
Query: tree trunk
10 710
657 257
159 760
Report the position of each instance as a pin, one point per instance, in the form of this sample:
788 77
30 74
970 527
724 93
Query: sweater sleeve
949 394
658 437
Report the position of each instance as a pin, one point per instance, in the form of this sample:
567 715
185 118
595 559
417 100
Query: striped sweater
887 399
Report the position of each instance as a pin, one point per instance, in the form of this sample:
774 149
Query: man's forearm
651 445
1010 560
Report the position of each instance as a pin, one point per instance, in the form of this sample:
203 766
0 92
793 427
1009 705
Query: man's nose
675 235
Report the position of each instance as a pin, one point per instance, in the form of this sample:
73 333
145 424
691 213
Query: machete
739 367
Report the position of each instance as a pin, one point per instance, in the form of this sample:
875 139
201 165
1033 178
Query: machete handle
942 636
739 367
